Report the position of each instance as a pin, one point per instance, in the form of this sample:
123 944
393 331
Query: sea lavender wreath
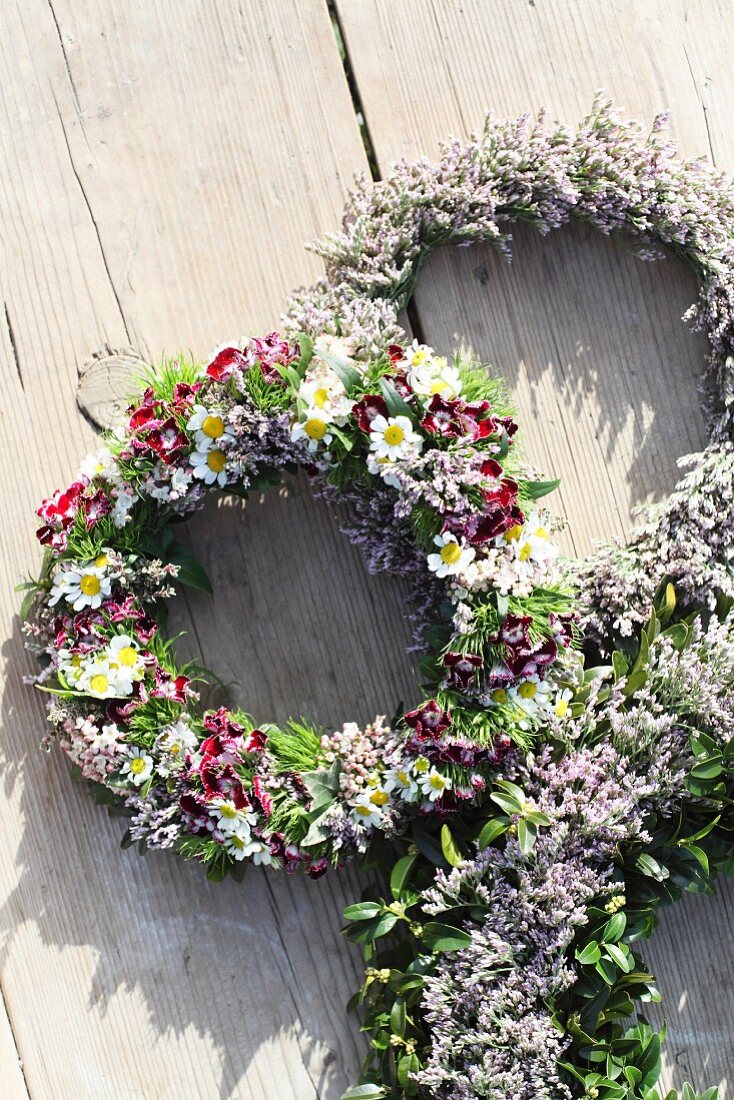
525 984
579 799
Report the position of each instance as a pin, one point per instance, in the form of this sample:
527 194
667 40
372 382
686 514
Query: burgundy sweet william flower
169 687
263 798
367 409
317 867
226 362
515 631
428 719
462 667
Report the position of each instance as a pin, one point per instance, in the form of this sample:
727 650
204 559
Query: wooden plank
590 339
163 164
11 1067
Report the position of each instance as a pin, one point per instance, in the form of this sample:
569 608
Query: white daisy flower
531 695
231 820
314 427
259 853
323 390
561 703
417 355
531 540
433 784
71 665
174 743
125 660
452 557
210 466
236 846
368 808
138 767
435 376
99 680
85 586
384 468
101 464
393 437
400 781
209 429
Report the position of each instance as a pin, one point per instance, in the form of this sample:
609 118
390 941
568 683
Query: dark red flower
462 667
395 353
96 506
225 363
262 796
428 719
367 409
317 868
515 631
562 627
120 712
167 441
169 687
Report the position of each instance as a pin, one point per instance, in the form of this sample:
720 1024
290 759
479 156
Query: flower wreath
539 810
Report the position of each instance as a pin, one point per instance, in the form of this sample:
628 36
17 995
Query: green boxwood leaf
444 937
362 910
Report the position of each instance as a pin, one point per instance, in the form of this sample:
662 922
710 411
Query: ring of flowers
579 799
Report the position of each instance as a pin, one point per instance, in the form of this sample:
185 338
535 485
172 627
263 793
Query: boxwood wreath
571 767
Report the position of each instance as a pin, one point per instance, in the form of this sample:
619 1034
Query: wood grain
163 165
603 372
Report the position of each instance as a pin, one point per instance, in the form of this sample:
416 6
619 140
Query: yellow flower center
315 428
418 358
213 427
450 553
499 695
137 765
101 561
76 660
562 708
540 533
525 552
403 778
394 435
99 683
127 656
379 798
513 533
437 782
438 386
363 811
99 468
216 461
228 811
237 841
421 765
90 585
528 690
321 397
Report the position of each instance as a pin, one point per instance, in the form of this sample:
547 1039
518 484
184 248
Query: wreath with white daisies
538 807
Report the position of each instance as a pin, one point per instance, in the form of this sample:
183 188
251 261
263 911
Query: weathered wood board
164 162
603 371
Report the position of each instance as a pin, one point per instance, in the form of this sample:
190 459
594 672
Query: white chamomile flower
368 809
230 819
452 557
531 695
322 389
433 377
209 429
85 586
433 784
417 355
101 464
99 680
71 665
259 853
384 468
314 427
125 661
400 781
138 767
393 437
531 540
562 702
210 466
